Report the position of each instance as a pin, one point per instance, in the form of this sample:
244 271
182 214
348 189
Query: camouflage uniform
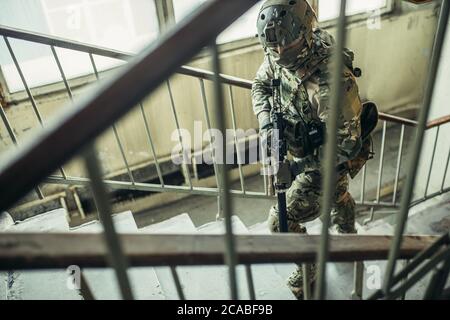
310 99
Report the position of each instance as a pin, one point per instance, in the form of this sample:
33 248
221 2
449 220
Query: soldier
298 53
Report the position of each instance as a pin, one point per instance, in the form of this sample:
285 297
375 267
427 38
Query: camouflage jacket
310 97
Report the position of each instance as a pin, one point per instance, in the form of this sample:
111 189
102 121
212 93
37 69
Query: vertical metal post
85 290
15 142
267 190
176 280
116 134
381 165
27 89
61 71
358 279
431 163
122 152
115 253
180 138
438 282
417 147
208 124
445 171
380 171
250 282
363 184
405 279
152 146
306 269
230 250
238 151
399 164
329 164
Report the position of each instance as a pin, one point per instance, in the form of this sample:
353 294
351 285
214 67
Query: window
244 27
329 9
125 25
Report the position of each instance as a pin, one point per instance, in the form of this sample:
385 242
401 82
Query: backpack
369 121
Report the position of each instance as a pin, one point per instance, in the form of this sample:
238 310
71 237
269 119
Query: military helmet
281 22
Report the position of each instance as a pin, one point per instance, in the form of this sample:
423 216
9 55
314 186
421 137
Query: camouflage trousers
303 199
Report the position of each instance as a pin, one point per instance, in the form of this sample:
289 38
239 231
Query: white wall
440 107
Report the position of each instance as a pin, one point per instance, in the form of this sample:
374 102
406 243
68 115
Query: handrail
438 122
185 70
58 250
142 72
110 53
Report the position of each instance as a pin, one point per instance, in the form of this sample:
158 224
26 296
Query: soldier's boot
295 280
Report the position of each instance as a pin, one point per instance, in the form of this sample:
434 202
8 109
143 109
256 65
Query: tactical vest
295 102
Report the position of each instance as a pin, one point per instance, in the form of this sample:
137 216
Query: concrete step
52 284
103 282
268 284
42 284
198 283
218 227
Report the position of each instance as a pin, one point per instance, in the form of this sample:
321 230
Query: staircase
206 282
202 282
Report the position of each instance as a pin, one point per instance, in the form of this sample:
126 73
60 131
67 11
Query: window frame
162 12
355 18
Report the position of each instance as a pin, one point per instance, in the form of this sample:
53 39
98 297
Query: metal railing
146 76
202 75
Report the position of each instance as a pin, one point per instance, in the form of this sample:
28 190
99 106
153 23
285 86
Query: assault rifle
282 176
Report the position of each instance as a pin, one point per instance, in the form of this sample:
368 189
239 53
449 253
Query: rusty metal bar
417 146
143 73
115 252
329 164
438 122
